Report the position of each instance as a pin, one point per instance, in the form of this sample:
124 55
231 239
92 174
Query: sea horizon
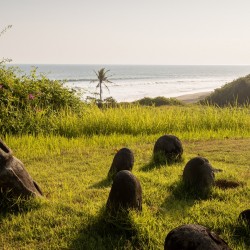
125 64
133 82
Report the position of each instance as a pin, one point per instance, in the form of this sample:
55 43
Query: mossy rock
125 193
198 175
194 237
245 217
167 149
123 160
15 181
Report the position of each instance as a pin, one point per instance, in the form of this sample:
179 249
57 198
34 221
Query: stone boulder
168 148
245 216
198 174
123 160
14 179
125 193
194 237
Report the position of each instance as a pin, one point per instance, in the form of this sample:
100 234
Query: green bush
233 93
30 100
158 101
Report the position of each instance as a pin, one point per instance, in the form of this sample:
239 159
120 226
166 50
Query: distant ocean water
133 82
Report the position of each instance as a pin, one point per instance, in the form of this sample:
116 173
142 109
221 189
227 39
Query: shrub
158 101
233 93
26 98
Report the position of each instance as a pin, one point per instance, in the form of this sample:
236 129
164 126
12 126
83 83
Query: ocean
133 82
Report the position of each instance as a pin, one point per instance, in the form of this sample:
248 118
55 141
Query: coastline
192 98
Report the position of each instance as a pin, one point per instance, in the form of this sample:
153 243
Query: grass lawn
72 174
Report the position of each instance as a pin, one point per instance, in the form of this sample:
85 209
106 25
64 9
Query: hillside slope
235 92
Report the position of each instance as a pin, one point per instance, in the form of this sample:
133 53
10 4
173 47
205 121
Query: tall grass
189 121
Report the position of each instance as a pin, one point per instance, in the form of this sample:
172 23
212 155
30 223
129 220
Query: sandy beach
192 98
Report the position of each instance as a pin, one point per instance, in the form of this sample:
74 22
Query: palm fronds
102 79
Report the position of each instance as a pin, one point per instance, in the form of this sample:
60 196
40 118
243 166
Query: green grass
72 174
68 146
190 122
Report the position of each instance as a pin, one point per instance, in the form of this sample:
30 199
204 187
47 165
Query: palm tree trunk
100 91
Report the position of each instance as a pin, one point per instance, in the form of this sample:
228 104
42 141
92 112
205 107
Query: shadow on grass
110 232
182 197
241 232
102 184
159 160
179 199
228 184
9 205
150 166
182 191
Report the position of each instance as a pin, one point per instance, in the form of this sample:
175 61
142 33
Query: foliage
102 79
31 104
187 121
108 102
26 99
158 101
234 93
72 174
5 29
4 60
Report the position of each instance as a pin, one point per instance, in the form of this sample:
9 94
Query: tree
4 60
102 79
5 29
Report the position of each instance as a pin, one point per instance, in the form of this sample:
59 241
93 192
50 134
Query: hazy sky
126 31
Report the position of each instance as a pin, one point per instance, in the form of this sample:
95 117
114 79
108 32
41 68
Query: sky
151 32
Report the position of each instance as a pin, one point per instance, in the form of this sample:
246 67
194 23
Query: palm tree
102 78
